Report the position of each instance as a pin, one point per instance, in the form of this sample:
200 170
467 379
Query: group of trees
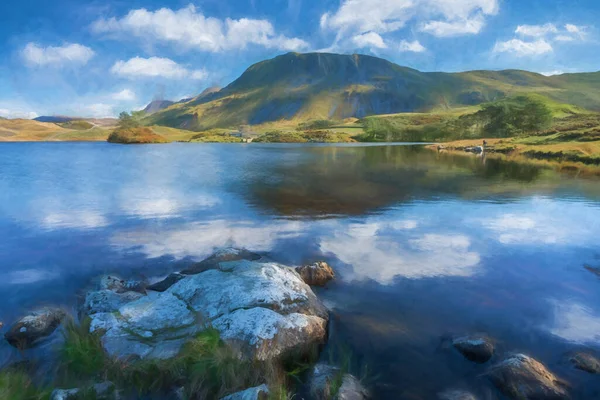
500 119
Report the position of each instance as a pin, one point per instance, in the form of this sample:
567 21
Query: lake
425 245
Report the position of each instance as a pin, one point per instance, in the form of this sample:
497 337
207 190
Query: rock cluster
328 382
262 309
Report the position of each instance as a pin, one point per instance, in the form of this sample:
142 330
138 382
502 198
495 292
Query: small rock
476 348
521 377
586 362
593 270
166 283
256 393
101 391
456 395
31 329
118 285
324 378
222 255
317 274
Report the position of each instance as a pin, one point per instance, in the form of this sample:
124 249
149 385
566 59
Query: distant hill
61 120
315 86
157 105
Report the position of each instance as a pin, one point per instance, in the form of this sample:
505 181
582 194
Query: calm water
425 244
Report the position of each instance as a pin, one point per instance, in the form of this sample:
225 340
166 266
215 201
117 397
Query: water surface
425 244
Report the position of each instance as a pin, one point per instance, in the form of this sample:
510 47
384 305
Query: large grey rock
317 274
106 301
262 309
100 391
324 380
256 393
521 377
35 327
476 348
263 334
221 255
586 362
247 284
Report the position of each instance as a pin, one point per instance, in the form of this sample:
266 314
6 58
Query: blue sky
97 58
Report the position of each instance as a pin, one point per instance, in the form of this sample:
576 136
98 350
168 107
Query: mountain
310 86
157 105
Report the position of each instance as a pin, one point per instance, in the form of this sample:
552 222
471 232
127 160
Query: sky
98 58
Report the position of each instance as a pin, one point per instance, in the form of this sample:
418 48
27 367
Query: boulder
456 395
256 393
317 274
33 328
476 348
262 309
586 362
325 378
100 391
521 377
166 283
119 285
222 255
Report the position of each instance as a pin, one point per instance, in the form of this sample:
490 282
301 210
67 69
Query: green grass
82 355
16 385
139 135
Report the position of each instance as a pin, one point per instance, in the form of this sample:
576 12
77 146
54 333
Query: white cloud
154 67
74 220
381 251
521 48
74 54
20 114
578 30
413 46
96 110
189 28
536 30
124 95
454 28
553 73
564 38
369 39
576 323
438 17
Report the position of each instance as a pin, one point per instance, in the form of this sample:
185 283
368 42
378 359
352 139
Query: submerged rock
222 255
476 348
317 274
256 393
262 309
456 395
100 391
521 377
33 328
166 283
586 362
328 382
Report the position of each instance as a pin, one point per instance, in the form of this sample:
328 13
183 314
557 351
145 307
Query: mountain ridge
296 86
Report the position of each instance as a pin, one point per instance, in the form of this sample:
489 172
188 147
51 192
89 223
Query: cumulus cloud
124 95
521 48
370 39
540 38
68 54
442 18
414 46
536 30
380 251
17 113
154 67
189 28
576 323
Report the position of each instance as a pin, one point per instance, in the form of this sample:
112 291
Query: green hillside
315 86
